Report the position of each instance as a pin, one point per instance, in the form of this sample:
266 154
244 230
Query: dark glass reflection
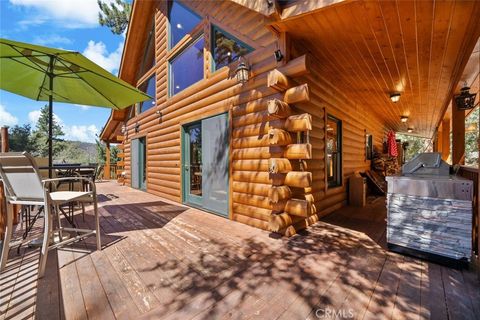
148 59
187 67
182 21
149 88
226 48
334 153
195 133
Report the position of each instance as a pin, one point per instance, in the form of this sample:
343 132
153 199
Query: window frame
169 26
338 182
212 45
170 59
138 106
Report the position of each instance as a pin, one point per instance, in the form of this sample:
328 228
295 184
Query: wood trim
230 165
146 76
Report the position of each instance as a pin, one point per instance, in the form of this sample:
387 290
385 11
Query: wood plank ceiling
374 48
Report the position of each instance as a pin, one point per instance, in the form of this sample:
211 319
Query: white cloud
51 39
97 52
85 133
34 115
6 118
81 106
73 14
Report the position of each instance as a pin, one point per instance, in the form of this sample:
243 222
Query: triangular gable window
226 48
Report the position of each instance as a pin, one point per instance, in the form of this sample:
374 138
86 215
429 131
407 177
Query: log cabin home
262 110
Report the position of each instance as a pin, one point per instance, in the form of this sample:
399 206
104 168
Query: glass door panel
205 164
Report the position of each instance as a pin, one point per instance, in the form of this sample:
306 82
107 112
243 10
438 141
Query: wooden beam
279 193
296 67
278 80
299 122
279 165
106 171
458 135
278 109
298 151
266 8
279 137
4 133
297 94
445 139
300 208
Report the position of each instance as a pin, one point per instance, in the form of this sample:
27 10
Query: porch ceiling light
395 97
410 130
241 73
404 119
465 100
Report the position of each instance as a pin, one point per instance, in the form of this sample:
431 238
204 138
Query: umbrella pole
50 119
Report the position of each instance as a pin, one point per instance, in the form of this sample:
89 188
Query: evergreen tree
19 138
114 15
40 136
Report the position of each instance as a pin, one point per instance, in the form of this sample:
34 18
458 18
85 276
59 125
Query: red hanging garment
392 144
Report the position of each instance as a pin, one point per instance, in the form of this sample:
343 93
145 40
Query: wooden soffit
371 49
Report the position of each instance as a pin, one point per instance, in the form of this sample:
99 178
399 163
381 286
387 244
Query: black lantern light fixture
241 73
465 100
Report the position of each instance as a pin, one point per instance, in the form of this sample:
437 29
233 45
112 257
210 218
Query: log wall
260 142
327 99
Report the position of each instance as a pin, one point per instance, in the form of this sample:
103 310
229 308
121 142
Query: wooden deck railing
474 175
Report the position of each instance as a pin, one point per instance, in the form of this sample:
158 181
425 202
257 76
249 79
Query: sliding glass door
205 164
139 163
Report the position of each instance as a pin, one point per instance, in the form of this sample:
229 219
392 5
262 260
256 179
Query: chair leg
7 238
83 210
97 223
47 233
60 231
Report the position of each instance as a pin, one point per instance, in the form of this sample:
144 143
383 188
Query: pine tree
114 15
40 135
19 138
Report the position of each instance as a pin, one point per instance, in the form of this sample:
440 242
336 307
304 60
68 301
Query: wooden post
4 134
106 171
458 135
445 139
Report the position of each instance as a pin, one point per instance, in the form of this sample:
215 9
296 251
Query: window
334 152
148 59
149 88
226 48
182 22
187 67
368 146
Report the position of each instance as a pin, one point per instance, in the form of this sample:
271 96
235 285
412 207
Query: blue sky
66 24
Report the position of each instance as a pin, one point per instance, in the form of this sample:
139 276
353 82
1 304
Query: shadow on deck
164 260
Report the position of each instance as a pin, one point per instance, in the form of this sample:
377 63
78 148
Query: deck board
162 260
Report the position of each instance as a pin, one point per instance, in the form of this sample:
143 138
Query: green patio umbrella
48 74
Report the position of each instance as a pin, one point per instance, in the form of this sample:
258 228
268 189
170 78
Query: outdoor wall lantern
465 100
395 97
123 129
404 119
137 127
278 55
241 73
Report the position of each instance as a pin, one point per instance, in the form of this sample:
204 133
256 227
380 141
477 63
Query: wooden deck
165 261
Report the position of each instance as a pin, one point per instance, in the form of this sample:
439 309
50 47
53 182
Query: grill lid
427 163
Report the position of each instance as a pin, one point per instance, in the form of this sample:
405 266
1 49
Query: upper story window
148 58
226 49
182 21
148 86
334 152
187 67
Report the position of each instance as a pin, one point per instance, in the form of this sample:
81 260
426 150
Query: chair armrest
78 178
